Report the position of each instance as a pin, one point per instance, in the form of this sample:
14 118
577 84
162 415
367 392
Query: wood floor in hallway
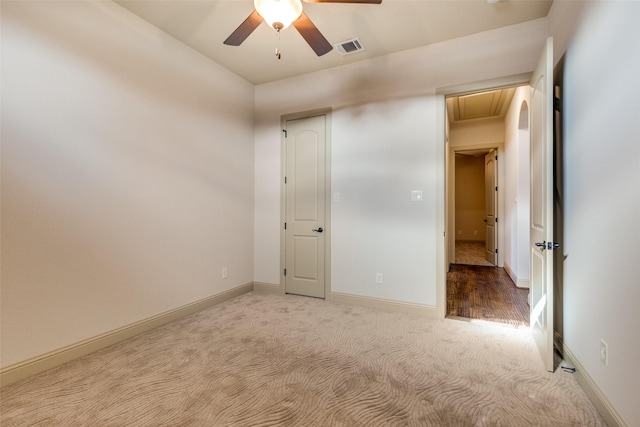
485 293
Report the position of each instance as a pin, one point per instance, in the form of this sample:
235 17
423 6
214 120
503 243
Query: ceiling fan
279 14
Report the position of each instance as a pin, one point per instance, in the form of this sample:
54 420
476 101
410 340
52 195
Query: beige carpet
274 360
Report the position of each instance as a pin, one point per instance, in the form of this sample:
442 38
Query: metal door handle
318 230
548 245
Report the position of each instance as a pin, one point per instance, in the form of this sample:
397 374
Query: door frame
496 185
443 169
451 208
283 194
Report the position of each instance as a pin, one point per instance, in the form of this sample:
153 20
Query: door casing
450 209
283 195
491 211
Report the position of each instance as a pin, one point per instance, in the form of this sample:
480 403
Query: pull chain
278 53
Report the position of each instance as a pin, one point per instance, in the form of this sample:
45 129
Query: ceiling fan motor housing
279 14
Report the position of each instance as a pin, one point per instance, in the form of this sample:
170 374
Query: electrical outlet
225 273
379 278
604 353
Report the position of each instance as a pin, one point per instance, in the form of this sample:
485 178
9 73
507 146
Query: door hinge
496 188
556 104
285 271
285 132
285 179
496 219
496 250
496 157
285 225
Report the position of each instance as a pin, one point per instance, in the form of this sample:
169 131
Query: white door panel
305 253
542 205
305 206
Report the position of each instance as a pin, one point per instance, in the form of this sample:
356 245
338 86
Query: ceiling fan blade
312 35
345 1
244 30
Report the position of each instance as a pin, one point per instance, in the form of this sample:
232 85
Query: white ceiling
392 26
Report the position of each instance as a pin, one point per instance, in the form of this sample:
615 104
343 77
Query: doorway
483 188
475 205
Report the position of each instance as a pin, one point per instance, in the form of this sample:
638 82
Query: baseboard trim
267 288
19 371
510 272
520 283
383 304
597 397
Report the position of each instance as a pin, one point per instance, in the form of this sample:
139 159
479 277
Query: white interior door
491 205
542 205
305 206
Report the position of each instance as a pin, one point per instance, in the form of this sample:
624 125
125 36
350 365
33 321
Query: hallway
485 293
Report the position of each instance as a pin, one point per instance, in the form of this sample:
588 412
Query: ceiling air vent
350 46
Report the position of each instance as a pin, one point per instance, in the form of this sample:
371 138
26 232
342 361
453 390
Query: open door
491 206
542 205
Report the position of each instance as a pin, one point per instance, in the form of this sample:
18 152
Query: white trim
520 283
33 366
442 247
383 304
501 179
597 397
486 85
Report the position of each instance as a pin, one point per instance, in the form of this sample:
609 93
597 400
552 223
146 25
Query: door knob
318 230
548 245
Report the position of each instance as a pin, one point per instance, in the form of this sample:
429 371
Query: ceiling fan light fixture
279 14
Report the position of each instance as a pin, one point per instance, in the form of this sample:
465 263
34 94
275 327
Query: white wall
477 132
470 211
384 145
602 199
517 189
127 174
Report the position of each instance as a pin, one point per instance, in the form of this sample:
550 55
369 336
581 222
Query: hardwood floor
485 293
